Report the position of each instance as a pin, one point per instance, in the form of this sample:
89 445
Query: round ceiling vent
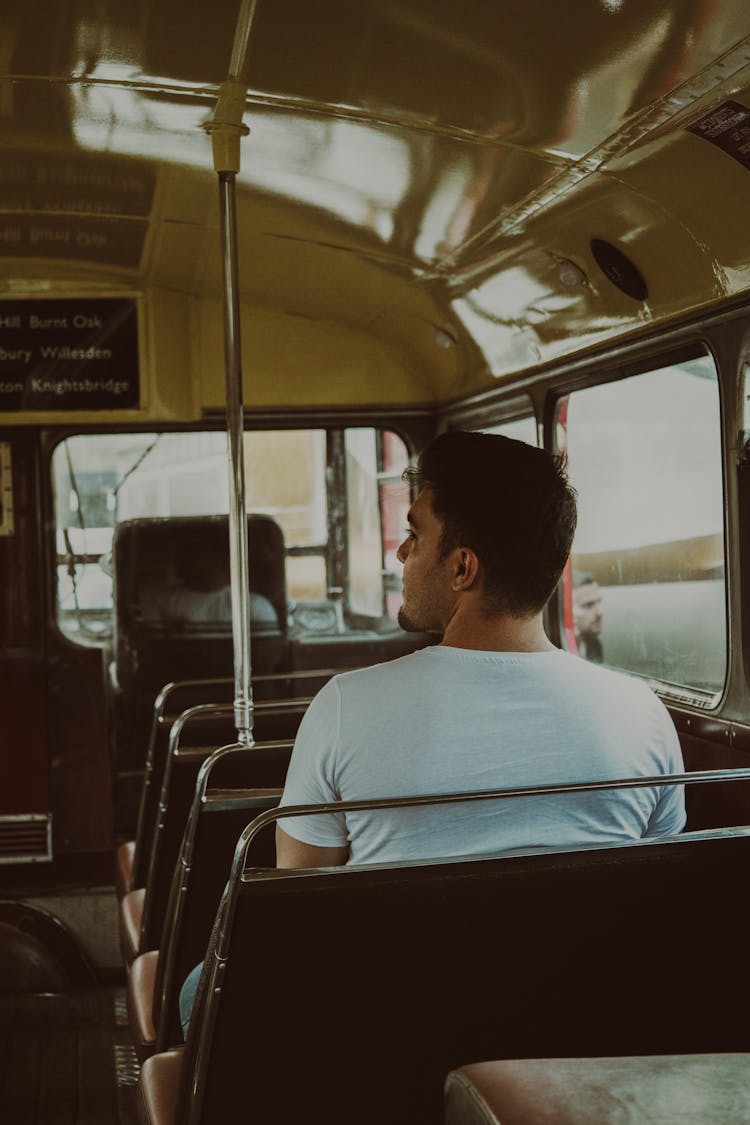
619 269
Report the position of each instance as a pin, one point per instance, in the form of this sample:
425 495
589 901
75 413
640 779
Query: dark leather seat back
167 575
233 788
178 787
392 976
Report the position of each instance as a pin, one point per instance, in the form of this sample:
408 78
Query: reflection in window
645 589
103 479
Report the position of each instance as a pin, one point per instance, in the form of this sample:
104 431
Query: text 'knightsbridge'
39 386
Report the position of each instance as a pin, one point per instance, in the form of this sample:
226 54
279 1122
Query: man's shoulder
612 683
387 671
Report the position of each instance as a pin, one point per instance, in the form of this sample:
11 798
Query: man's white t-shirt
449 719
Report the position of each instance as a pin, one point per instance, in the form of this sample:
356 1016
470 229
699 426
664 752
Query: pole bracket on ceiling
226 127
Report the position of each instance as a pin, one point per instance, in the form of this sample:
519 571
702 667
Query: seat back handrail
625 864
208 711
172 816
163 730
468 796
183 916
263 678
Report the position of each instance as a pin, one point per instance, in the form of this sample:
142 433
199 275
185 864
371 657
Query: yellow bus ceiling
418 180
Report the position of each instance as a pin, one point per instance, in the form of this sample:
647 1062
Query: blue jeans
187 996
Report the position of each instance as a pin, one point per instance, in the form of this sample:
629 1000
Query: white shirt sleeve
668 817
311 779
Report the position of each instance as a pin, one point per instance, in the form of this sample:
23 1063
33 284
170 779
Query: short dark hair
508 501
583 578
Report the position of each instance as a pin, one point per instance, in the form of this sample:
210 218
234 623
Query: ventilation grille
26 838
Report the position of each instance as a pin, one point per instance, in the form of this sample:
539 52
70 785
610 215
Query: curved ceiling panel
413 167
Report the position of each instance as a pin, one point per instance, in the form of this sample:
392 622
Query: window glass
365 538
521 429
306 577
102 479
378 500
395 499
746 401
285 477
645 588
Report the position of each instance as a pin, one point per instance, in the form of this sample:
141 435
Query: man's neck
497 634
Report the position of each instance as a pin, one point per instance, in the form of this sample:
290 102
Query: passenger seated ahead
493 704
202 592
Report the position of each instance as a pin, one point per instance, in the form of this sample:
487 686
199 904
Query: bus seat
132 857
196 892
131 921
217 819
156 558
140 992
712 1089
158 1088
145 909
412 970
124 864
157 568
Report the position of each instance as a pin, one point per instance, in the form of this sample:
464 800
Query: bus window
645 587
521 429
101 479
378 501
285 477
365 548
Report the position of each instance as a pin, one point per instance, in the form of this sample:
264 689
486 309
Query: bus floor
66 1058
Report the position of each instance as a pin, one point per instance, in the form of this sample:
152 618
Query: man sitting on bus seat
494 704
587 616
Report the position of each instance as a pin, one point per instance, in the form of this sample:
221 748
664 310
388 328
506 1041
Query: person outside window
587 616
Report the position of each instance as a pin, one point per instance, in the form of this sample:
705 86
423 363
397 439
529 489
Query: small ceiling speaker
619 269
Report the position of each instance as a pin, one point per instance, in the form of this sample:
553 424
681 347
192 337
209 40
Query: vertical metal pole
238 556
241 42
225 129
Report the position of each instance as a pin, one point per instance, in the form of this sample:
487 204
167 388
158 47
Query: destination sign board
73 354
90 207
728 127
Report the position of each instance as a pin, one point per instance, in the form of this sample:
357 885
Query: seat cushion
648 1090
131 916
124 868
158 1088
141 984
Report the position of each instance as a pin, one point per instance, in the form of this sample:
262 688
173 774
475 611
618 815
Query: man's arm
314 840
668 817
293 853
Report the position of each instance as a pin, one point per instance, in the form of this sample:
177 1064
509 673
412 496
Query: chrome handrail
223 710
376 803
216 966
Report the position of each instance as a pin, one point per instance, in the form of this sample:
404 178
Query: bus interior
525 219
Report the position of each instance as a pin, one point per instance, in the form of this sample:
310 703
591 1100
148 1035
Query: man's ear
466 570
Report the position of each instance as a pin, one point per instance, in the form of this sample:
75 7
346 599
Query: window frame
591 376
52 439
